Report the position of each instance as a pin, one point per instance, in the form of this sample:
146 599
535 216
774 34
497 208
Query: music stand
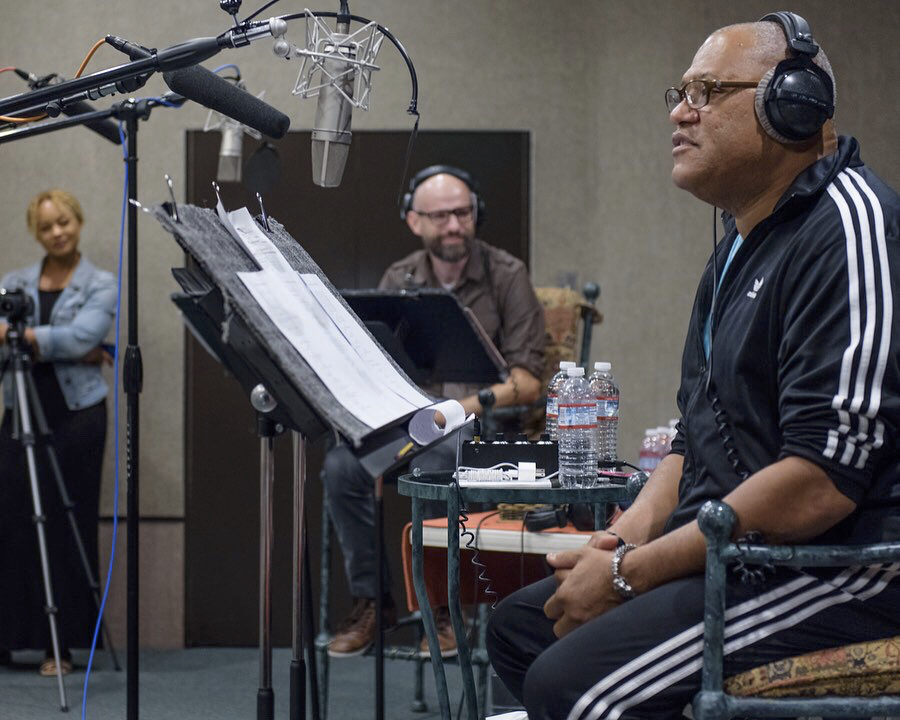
283 387
429 334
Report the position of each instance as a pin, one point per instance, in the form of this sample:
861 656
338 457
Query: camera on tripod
16 305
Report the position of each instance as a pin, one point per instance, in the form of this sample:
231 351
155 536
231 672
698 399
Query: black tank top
52 400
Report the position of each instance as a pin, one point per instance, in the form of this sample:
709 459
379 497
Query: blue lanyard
707 328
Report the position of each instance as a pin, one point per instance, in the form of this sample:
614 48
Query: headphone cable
715 293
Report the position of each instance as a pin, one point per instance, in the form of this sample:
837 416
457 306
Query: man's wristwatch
626 592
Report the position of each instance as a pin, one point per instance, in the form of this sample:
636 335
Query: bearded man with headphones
789 401
443 208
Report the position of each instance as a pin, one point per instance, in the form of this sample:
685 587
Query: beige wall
585 78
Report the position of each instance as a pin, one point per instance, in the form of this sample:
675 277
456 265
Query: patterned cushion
562 315
862 669
562 319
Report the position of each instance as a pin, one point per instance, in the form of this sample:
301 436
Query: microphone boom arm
142 108
175 57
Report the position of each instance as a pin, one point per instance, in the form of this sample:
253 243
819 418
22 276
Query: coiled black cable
721 417
724 429
471 543
480 576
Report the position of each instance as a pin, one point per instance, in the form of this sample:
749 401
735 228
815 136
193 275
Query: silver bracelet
621 585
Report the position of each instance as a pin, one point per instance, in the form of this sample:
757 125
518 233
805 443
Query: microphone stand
129 112
132 381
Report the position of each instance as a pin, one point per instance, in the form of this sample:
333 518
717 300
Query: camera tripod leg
43 432
27 438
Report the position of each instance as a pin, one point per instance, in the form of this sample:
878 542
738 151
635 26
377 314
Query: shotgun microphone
208 89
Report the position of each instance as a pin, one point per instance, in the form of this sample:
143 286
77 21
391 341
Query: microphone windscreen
208 89
105 127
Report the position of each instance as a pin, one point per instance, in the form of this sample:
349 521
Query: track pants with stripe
643 659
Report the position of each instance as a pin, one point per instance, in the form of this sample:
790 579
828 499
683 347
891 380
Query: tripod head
16 305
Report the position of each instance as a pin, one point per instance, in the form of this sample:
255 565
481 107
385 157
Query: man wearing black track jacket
795 356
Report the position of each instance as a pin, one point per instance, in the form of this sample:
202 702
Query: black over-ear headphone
796 97
423 175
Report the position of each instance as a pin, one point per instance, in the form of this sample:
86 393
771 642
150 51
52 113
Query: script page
330 338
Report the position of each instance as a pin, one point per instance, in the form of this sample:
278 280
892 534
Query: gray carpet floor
219 683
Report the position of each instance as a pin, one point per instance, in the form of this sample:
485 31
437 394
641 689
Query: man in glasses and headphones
789 401
444 209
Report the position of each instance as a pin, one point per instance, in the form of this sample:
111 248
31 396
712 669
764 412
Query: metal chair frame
716 520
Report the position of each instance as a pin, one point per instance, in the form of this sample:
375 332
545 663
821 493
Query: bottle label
578 416
607 408
552 406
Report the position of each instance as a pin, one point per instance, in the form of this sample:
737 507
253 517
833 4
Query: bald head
448 238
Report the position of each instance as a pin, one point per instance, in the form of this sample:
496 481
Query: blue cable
112 552
228 65
163 101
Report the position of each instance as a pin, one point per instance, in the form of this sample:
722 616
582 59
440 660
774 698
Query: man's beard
450 253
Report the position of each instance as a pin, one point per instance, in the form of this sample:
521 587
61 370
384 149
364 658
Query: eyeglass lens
695 92
440 217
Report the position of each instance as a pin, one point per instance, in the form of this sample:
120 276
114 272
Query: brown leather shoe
446 636
48 667
356 633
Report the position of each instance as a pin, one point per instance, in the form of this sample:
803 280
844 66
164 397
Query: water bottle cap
649 432
563 364
575 372
602 366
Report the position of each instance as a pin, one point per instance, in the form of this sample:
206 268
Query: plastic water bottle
606 393
664 441
553 388
577 431
647 456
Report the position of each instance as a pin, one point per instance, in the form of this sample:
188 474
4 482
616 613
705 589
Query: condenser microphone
331 130
230 152
208 89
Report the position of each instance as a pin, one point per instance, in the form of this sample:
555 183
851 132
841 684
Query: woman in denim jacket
74 308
